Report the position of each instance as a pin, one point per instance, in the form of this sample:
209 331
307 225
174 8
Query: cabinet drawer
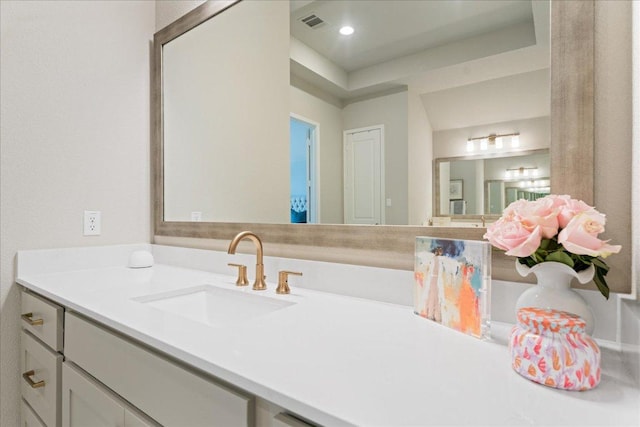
165 391
46 318
29 418
41 371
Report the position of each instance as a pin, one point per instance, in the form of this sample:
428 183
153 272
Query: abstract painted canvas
452 283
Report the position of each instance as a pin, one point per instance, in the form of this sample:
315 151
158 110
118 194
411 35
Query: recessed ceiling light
346 30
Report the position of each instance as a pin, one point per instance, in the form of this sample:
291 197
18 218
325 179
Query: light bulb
483 144
515 141
470 146
499 142
346 30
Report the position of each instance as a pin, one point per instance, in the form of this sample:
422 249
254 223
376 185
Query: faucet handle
283 281
242 274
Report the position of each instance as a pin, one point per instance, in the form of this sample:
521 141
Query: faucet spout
259 284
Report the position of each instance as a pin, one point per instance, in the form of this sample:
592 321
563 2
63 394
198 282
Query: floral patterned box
452 283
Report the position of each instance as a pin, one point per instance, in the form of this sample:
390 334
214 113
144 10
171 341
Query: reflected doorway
364 175
303 192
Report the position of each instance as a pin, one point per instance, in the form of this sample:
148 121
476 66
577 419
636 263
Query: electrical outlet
196 216
91 223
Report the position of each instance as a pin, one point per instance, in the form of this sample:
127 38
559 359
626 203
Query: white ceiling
427 45
389 29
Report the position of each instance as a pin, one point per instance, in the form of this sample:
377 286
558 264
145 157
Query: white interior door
364 176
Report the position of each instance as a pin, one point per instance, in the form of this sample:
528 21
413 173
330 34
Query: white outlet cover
196 216
91 223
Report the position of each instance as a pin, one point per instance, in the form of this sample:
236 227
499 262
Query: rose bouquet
554 228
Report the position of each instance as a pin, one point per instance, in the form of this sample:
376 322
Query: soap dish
140 259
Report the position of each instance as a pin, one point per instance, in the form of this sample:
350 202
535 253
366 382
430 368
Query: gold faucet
258 284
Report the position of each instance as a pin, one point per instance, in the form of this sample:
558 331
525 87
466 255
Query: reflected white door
364 176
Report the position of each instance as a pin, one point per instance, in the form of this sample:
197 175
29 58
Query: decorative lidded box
552 348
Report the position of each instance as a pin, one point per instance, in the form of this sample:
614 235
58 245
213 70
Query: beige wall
168 11
75 136
226 155
392 112
420 161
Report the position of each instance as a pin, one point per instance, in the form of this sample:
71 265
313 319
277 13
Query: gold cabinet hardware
27 377
28 317
283 281
242 274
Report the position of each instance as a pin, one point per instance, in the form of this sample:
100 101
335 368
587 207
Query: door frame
383 204
313 216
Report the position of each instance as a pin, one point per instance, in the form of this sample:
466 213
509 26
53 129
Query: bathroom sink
214 306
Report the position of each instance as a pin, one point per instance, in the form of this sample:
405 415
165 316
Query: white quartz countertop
339 360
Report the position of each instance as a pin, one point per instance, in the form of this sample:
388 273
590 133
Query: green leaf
560 256
544 243
541 253
601 283
601 264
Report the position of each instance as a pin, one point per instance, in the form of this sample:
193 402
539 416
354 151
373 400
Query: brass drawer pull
33 322
27 377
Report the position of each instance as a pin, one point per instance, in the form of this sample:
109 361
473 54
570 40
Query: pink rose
558 201
572 208
539 213
513 237
580 235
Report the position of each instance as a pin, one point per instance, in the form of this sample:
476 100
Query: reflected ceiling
397 43
386 30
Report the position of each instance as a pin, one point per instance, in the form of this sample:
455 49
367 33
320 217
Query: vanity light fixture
536 186
346 30
493 141
521 172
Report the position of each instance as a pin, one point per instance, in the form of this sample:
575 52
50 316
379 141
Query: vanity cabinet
40 360
100 377
85 402
29 417
167 392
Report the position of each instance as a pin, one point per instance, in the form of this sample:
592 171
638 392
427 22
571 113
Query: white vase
554 290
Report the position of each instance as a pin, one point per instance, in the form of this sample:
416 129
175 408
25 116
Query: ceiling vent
312 21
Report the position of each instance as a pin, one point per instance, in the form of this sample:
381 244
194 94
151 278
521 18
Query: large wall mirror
376 115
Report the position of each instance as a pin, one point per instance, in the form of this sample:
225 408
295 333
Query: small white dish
141 259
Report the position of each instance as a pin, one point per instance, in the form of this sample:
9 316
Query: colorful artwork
452 283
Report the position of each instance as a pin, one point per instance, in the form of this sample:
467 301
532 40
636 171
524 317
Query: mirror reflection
368 112
485 186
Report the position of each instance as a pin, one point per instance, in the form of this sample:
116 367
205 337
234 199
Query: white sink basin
214 306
